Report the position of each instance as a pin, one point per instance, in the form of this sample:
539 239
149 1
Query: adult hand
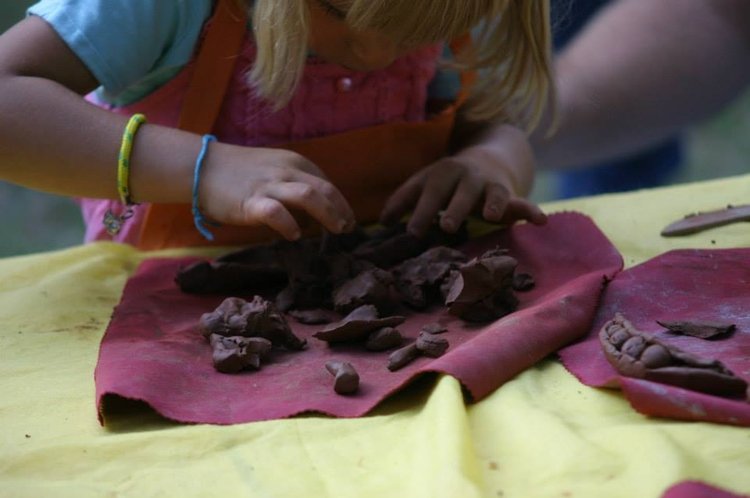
261 186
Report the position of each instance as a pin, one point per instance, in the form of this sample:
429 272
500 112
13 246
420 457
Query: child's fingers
305 197
437 190
465 198
402 199
520 209
270 212
496 198
340 205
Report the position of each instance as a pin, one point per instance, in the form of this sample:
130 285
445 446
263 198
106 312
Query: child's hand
483 178
259 186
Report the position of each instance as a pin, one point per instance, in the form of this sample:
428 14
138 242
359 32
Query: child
319 109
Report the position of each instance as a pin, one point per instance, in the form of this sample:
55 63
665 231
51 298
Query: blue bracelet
198 218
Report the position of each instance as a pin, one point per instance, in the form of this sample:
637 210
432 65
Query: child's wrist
165 160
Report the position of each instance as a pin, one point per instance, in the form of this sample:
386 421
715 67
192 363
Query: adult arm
641 71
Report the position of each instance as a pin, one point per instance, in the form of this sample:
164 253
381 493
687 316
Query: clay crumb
700 329
434 328
346 377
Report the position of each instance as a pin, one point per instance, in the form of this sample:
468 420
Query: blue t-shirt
132 47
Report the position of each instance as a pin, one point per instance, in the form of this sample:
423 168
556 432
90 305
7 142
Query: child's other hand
480 178
260 186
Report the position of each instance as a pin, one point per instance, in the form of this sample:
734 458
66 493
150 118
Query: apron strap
213 67
467 77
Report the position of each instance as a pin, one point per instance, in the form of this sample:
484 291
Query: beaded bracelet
114 222
198 218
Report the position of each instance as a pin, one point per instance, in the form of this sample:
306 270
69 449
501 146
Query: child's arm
52 140
488 174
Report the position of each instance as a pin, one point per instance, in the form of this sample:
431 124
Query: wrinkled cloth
699 285
542 434
153 352
696 489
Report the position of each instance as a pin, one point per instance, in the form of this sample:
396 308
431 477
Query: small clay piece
206 277
305 292
346 377
403 356
234 354
434 328
251 269
418 279
257 318
697 222
482 290
308 275
432 345
314 317
390 246
373 286
343 267
393 245
523 282
383 339
636 354
284 300
703 330
341 243
357 325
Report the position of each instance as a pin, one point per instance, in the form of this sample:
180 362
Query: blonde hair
511 50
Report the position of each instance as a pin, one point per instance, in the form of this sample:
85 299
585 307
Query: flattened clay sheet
677 285
697 489
152 350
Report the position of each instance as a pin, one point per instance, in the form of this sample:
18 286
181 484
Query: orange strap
467 77
214 67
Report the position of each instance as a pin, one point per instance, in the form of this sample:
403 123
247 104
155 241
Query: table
543 434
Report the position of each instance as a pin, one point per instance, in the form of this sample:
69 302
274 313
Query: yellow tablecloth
541 435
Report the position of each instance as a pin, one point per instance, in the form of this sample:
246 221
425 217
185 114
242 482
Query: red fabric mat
152 350
678 285
697 489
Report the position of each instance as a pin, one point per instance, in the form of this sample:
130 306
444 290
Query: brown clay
432 345
315 317
234 354
392 245
355 274
701 329
357 325
346 377
482 290
434 328
383 339
636 354
402 357
308 274
418 279
523 282
697 222
257 318
373 286
206 277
